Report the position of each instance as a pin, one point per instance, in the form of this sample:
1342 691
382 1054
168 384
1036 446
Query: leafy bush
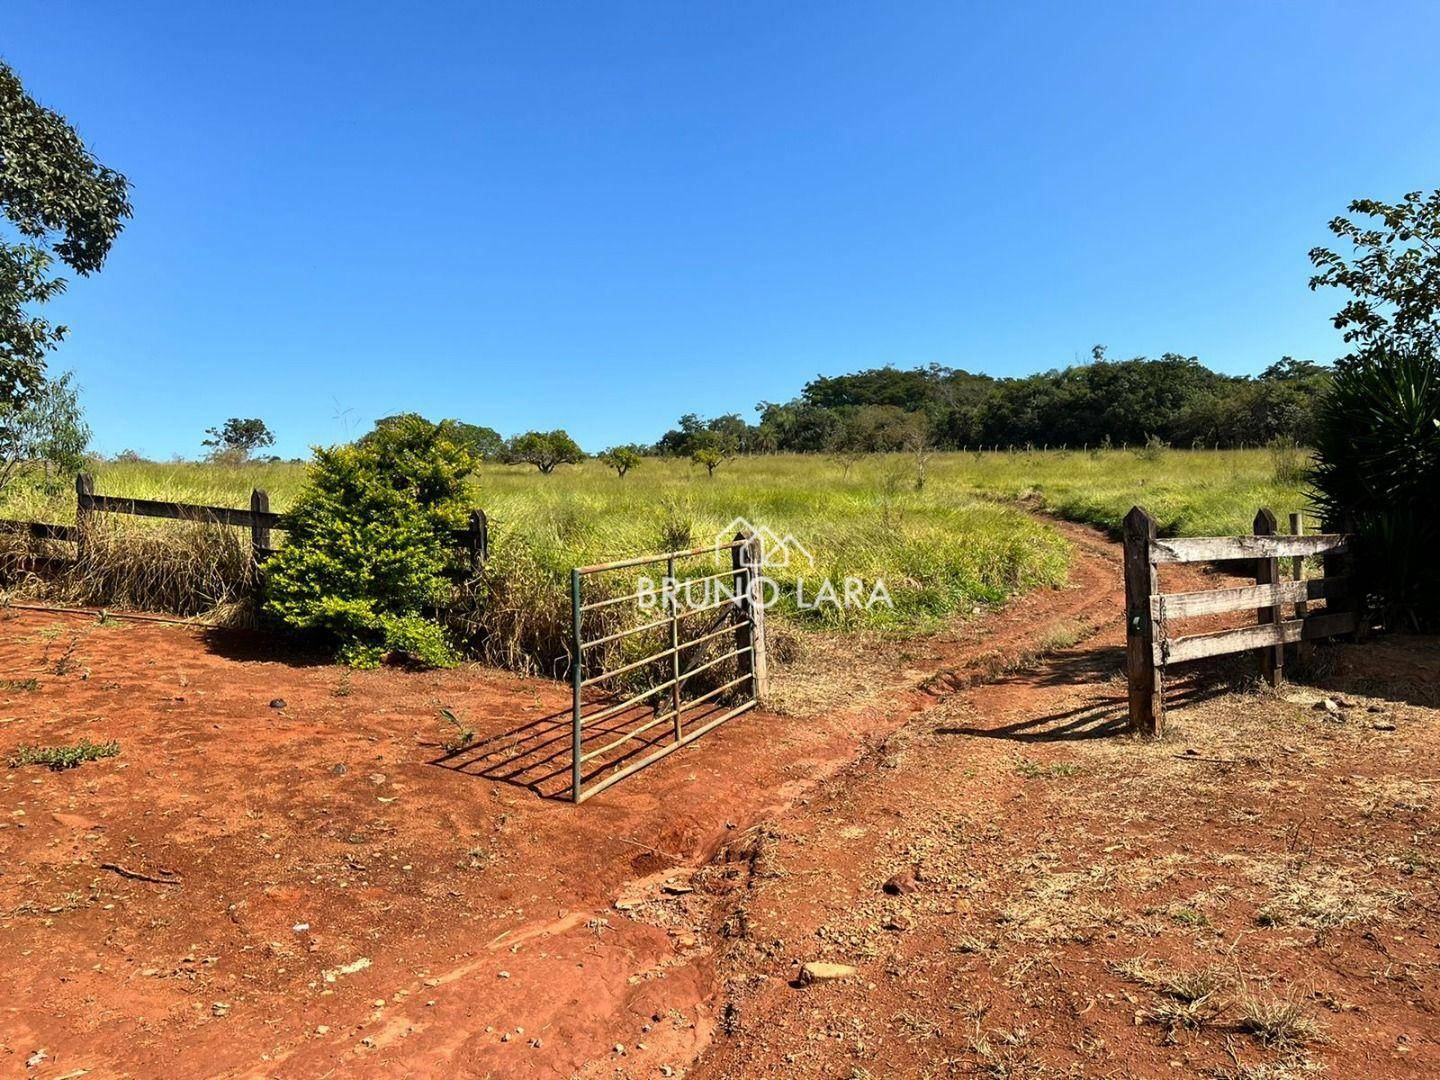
1377 471
63 757
369 557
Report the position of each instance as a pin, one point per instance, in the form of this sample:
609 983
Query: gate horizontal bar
1222 548
643 560
671 748
1197 646
661 718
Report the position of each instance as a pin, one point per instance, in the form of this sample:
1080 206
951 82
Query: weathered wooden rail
1152 645
259 519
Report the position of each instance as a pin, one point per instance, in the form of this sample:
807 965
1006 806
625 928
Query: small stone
1383 725
277 703
378 1003
220 1008
339 768
824 971
1326 705
504 974
898 922
505 1036
323 1029
619 1048
902 883
36 1058
1374 708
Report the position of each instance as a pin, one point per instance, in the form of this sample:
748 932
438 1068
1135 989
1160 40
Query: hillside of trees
1175 399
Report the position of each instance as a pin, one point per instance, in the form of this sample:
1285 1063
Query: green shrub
63 757
1377 471
369 559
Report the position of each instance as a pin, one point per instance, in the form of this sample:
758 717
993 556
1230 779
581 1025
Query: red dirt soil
329 898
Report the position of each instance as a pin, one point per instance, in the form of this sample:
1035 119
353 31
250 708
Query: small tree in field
622 459
545 449
43 439
711 457
914 434
369 552
237 439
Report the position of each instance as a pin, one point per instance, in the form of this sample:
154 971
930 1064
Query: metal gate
708 681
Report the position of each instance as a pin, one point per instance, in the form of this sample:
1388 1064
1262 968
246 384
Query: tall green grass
961 543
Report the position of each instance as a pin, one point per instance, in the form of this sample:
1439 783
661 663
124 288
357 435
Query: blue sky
599 216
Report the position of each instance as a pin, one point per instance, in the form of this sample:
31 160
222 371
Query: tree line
1174 399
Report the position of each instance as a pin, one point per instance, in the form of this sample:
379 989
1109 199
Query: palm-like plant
1377 473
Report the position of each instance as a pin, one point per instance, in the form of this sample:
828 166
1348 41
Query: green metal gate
709 666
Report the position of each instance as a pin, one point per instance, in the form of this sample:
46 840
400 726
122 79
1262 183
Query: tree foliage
238 438
1377 445
622 458
43 437
545 450
1174 398
484 444
65 205
369 556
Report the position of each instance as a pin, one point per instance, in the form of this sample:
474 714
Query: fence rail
259 519
679 665
1152 645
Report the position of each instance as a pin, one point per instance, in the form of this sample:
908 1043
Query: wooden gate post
1267 572
84 492
1147 690
748 560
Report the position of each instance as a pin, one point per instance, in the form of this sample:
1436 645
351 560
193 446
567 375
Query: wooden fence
1151 644
258 519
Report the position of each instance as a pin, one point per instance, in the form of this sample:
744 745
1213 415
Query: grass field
960 543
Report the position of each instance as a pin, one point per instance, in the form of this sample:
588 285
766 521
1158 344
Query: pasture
962 543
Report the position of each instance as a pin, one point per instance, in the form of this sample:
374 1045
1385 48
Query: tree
1393 273
43 438
545 450
622 458
1377 446
65 205
711 457
369 553
915 440
237 438
483 442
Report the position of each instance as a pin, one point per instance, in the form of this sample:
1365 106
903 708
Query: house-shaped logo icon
775 550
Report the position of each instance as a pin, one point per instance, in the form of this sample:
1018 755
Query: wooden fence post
477 542
1297 573
259 532
84 492
1267 572
1147 689
748 560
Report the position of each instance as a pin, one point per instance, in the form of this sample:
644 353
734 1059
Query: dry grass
1279 1022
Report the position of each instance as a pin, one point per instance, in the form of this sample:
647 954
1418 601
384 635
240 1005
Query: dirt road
329 901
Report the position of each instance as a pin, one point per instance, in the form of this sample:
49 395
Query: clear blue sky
599 216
